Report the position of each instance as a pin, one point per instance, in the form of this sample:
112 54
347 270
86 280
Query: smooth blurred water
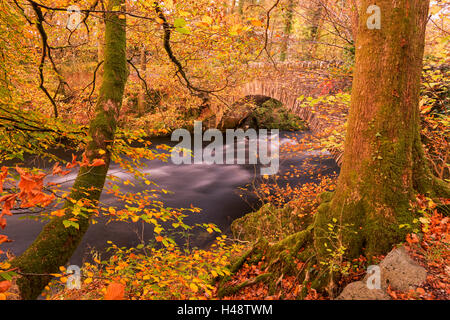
211 187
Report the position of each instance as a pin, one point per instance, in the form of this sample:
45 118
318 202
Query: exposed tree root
302 254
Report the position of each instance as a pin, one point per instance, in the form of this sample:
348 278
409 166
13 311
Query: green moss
270 114
269 222
273 115
55 244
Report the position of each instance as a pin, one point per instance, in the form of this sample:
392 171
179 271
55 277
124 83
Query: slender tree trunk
289 14
241 6
100 45
233 5
314 16
142 94
383 163
55 244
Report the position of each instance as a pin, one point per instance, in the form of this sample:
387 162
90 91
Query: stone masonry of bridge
288 82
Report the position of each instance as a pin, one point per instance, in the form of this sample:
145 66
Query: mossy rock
262 114
273 115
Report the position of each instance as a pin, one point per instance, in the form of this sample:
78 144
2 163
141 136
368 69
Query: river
213 188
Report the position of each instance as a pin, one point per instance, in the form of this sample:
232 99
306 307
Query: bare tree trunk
233 5
241 6
314 16
100 44
289 14
142 94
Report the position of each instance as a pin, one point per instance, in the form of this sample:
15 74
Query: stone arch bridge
288 83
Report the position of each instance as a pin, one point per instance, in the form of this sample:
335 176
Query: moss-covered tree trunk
383 163
383 168
55 244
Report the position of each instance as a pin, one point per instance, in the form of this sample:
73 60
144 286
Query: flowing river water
213 188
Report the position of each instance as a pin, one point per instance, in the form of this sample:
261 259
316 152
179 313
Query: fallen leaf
115 291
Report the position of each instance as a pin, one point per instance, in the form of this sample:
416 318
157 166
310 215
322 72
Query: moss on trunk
55 244
382 147
384 166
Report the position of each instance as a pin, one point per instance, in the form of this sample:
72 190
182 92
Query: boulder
397 270
401 272
359 291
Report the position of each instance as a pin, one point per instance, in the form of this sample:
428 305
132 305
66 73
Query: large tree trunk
383 163
55 244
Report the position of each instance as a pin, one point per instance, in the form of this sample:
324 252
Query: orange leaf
97 162
4 285
420 290
3 175
73 163
58 213
9 203
115 291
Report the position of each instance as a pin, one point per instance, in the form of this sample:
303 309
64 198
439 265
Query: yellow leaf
435 9
88 280
193 287
168 4
207 19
